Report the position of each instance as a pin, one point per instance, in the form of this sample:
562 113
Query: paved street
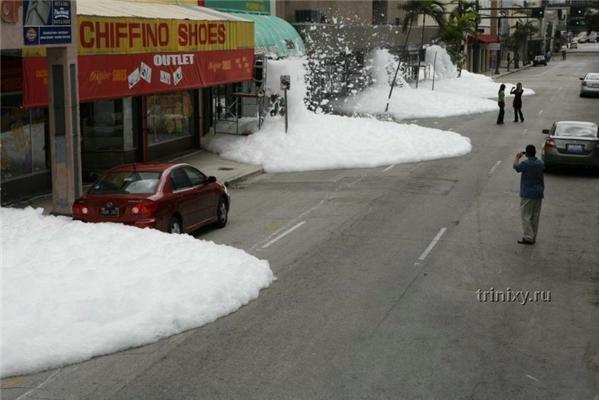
377 278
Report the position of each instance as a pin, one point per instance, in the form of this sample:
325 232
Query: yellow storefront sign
123 35
109 35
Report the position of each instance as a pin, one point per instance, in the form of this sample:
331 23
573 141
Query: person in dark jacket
501 103
517 92
532 189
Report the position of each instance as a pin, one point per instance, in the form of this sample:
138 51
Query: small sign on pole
285 86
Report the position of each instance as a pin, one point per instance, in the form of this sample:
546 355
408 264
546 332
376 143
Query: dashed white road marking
389 167
532 377
494 167
432 244
282 235
524 131
540 112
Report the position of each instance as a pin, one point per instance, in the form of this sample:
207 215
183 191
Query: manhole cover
226 169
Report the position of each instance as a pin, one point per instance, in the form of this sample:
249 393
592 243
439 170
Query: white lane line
494 167
540 112
432 244
524 131
531 377
48 380
282 235
389 167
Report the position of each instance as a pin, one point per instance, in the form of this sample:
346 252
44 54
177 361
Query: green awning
274 35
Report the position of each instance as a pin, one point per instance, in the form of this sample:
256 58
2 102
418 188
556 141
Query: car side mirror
582 79
546 131
211 179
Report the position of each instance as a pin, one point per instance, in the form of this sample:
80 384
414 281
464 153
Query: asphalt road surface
377 279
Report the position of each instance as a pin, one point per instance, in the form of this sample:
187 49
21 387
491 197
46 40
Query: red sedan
170 197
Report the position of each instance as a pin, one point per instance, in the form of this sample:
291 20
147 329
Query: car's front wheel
175 226
222 213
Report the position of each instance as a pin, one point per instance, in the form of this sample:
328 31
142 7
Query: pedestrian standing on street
517 92
532 188
501 103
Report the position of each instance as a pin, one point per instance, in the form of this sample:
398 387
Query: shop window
106 125
22 138
169 116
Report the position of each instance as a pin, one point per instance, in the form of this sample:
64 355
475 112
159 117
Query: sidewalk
226 171
210 164
503 71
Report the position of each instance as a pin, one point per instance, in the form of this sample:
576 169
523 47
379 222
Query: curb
244 176
501 75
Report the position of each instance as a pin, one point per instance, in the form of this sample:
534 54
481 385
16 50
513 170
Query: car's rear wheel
175 226
222 213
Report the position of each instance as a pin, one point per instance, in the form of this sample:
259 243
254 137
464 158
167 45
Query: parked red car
170 197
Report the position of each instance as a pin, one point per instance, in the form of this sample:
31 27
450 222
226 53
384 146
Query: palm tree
462 23
522 33
414 9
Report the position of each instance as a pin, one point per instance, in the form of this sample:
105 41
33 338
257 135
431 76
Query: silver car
589 84
572 143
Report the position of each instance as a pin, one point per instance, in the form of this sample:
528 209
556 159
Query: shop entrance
110 135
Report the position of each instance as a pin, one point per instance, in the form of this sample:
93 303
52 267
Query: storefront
274 38
141 78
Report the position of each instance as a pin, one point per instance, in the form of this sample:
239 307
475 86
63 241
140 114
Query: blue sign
46 22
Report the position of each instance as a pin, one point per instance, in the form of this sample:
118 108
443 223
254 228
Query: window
133 182
308 16
22 138
573 129
379 12
179 179
169 116
195 176
106 125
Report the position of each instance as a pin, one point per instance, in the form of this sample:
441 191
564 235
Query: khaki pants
530 210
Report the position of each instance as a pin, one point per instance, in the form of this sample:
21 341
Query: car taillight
146 208
80 209
550 143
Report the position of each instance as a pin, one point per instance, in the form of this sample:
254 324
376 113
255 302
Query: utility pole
476 47
405 50
495 31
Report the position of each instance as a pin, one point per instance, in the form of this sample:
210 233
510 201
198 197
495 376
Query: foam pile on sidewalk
468 94
322 141
71 291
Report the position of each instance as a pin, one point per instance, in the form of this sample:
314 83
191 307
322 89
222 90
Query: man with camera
532 187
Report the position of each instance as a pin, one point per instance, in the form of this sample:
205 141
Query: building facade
143 86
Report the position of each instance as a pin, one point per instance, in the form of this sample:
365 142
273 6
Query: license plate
109 212
575 148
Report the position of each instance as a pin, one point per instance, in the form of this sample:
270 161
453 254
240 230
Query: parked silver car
589 84
572 143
